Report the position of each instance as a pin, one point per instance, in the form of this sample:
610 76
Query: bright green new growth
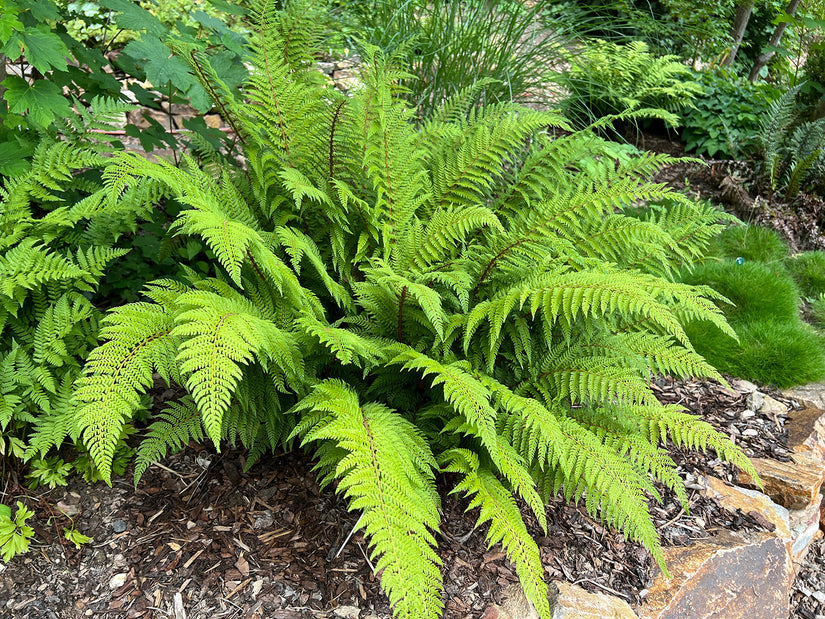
465 297
15 534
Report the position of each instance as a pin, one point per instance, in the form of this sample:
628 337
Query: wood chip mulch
201 539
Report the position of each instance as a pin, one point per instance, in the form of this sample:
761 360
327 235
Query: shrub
724 120
448 46
757 290
606 78
808 271
463 298
749 242
775 352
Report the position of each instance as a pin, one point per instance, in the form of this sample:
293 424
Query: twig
372 567
608 589
341 549
674 519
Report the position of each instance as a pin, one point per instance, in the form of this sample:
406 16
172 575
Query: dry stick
341 549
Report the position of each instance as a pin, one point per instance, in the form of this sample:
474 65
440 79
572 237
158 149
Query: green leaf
44 50
76 537
41 101
134 17
161 66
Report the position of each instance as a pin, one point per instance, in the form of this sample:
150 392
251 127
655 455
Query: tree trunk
765 57
737 32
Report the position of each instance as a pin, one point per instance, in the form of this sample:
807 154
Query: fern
470 297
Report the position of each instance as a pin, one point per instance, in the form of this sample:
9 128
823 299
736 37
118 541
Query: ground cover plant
464 298
767 289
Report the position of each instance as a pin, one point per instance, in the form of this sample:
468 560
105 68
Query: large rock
572 602
727 577
806 431
796 527
812 394
804 526
794 485
566 602
750 502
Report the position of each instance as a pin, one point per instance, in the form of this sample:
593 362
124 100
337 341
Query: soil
200 539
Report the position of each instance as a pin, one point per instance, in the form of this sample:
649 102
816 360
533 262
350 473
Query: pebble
747 414
264 520
744 386
819 596
347 612
118 526
117 581
755 400
750 432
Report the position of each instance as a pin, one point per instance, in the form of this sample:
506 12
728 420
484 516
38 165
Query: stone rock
727 577
515 606
118 526
571 602
117 581
770 406
755 400
213 120
750 502
812 394
804 527
68 509
566 602
794 484
806 431
745 386
347 612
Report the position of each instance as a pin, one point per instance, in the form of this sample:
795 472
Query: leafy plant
15 534
448 46
607 78
51 472
725 118
57 239
50 63
463 298
793 150
76 537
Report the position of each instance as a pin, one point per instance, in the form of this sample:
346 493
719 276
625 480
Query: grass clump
756 290
808 270
769 351
752 243
753 271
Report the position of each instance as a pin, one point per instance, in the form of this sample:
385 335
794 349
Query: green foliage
770 351
813 88
461 296
725 118
58 73
792 150
751 243
15 534
607 78
51 472
76 537
449 46
808 271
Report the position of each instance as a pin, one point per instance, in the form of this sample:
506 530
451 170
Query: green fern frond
174 427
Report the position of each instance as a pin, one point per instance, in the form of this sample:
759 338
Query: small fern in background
607 78
793 150
463 297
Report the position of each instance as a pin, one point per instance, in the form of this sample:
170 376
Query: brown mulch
269 543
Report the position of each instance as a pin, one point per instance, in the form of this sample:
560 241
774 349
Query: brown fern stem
400 332
332 138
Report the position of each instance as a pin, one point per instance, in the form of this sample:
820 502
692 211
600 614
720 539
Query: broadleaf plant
457 297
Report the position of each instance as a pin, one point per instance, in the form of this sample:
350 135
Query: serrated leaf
44 50
40 102
160 65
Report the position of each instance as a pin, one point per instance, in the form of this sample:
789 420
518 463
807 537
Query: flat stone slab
804 527
794 485
750 502
813 393
728 577
806 431
566 602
